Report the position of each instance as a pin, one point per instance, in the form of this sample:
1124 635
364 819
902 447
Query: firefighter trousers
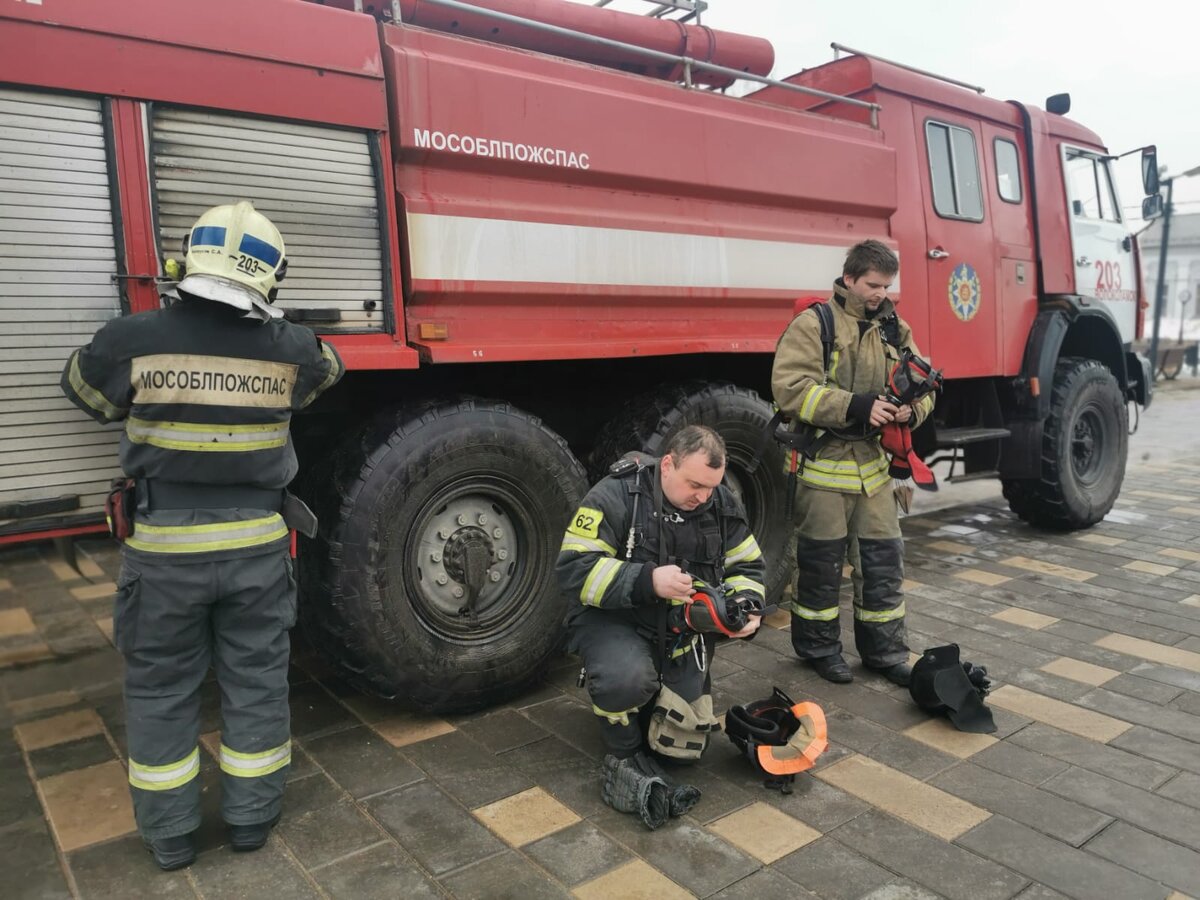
172 621
830 527
621 675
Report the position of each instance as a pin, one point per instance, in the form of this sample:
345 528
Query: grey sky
1131 68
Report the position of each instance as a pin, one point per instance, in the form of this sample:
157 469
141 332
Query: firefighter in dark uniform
843 502
206 388
648 541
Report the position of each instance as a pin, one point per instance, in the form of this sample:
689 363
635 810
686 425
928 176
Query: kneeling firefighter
206 388
657 565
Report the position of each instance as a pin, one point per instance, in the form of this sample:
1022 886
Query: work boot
173 853
629 789
245 838
832 668
899 674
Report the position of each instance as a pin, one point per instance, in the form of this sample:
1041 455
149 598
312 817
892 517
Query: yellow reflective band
207 438
614 718
573 541
747 551
335 370
164 778
833 363
684 649
833 466
847 482
254 765
202 538
811 398
882 615
741 583
814 615
89 394
598 580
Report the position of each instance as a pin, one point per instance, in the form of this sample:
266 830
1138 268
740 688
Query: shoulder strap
825 318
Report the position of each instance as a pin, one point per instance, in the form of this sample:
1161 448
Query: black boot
173 853
245 838
899 674
832 668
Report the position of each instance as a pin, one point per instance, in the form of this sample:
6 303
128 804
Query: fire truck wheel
432 580
1084 445
740 416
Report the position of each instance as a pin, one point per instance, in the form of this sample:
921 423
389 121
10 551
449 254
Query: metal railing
686 62
842 48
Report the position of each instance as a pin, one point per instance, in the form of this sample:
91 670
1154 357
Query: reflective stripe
88 394
747 551
811 398
882 615
572 541
164 778
335 371
614 718
736 583
675 654
201 538
846 474
252 765
598 580
206 438
814 615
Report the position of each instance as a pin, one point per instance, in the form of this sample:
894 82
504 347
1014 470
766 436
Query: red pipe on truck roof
722 48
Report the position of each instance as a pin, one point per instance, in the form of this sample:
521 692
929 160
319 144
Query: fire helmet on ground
780 737
941 682
236 256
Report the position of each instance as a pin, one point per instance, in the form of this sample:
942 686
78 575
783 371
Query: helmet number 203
249 265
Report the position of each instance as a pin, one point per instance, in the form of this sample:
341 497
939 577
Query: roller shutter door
57 261
317 184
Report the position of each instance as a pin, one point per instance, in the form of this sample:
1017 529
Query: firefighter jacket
840 399
207 398
610 549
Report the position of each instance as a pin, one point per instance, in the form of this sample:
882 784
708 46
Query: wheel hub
1086 445
465 556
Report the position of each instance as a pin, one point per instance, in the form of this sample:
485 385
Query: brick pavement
1090 788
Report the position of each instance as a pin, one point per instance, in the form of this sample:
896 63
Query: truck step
957 437
974 476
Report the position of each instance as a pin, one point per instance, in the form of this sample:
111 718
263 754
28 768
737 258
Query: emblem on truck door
964 292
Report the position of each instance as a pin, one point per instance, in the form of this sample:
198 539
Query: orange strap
799 759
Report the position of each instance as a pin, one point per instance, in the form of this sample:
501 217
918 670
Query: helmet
235 256
940 682
779 737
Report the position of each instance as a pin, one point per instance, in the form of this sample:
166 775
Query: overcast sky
1132 69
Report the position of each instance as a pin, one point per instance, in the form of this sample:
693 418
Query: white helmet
235 256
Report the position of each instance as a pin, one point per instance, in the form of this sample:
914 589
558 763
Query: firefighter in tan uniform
843 504
206 388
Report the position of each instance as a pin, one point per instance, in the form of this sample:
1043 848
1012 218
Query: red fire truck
540 235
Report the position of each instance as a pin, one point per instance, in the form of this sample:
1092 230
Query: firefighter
206 388
843 501
645 563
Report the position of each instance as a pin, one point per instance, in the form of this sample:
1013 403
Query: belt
155 494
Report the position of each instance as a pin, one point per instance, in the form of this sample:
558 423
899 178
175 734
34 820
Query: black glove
978 677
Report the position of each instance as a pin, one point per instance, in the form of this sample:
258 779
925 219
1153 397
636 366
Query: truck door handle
938 253
1083 261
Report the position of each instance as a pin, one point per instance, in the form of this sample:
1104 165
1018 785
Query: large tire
1085 443
740 416
408 506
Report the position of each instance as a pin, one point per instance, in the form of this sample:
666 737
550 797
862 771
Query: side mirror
1058 104
1150 170
1152 207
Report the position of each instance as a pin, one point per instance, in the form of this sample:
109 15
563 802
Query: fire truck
540 234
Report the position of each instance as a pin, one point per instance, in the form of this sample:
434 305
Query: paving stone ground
1089 789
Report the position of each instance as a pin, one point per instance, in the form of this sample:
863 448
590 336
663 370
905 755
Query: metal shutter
57 260
318 185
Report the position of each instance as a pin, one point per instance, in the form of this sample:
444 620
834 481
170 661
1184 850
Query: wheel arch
1071 330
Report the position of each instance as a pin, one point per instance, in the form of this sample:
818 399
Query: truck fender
1071 329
